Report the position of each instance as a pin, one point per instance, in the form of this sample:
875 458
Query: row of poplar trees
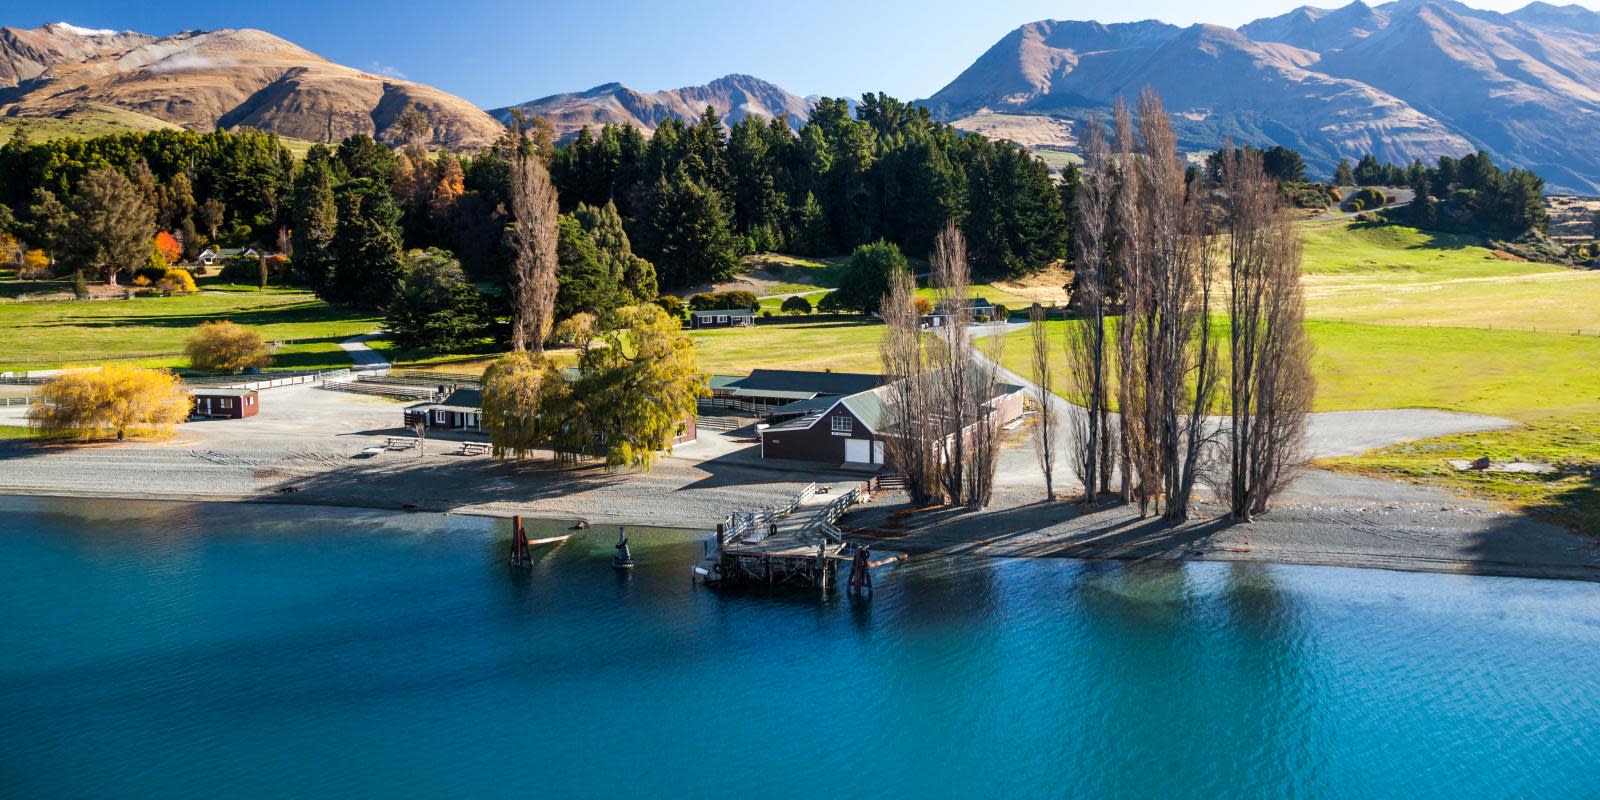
1189 363
1187 360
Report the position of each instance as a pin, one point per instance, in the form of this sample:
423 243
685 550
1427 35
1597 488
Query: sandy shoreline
307 448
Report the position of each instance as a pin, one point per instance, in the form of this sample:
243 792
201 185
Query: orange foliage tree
116 399
167 245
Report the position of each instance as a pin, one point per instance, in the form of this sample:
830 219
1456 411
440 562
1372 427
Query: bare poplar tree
1140 472
1086 338
1049 423
910 444
533 242
983 433
1270 387
962 382
1180 355
952 358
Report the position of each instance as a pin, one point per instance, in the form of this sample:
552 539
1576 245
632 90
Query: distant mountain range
1403 80
205 79
734 97
1408 79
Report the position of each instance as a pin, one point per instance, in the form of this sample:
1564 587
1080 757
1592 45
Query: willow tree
226 346
533 237
115 399
636 388
1270 384
523 397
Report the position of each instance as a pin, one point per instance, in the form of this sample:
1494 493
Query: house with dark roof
216 255
977 308
461 410
765 391
853 429
722 318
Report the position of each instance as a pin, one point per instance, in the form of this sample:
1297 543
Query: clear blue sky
496 53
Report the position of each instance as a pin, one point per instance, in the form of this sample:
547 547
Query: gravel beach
307 447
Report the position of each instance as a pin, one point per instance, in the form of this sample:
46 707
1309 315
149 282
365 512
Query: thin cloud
385 69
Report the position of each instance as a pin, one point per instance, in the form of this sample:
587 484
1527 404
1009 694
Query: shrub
738 300
1367 197
226 346
829 304
923 305
767 314
35 265
241 270
177 281
867 275
704 301
672 305
116 399
1001 312
796 305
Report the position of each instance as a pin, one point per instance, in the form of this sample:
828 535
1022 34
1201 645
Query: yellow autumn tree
177 281
226 346
35 264
117 399
524 400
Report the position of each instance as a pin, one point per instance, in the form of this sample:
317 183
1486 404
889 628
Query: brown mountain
207 79
734 97
1404 80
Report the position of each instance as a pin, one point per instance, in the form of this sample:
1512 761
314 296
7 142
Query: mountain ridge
203 79
734 96
1402 80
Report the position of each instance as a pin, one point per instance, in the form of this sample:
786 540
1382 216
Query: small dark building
461 411
978 308
224 403
852 429
722 318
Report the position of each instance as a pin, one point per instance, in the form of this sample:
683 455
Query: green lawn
1504 373
840 346
151 331
798 273
1402 276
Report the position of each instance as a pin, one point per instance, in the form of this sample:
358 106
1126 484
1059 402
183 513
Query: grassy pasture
151 331
840 346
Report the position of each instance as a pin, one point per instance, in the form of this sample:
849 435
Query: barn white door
877 452
857 451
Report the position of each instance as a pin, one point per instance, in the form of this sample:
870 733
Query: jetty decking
793 545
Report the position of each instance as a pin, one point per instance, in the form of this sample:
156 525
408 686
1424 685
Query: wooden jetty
795 545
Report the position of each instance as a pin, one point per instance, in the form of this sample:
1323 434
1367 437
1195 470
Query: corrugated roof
732 312
223 391
773 381
469 399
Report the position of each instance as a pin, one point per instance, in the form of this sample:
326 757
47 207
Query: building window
721 318
227 402
843 424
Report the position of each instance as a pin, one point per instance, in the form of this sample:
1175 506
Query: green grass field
151 331
1402 276
847 346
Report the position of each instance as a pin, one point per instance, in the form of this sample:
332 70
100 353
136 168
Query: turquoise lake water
239 651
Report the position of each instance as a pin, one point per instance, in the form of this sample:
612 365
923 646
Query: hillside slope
202 80
1404 80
